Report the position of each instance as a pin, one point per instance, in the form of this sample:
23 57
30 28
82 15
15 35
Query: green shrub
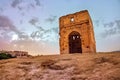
4 55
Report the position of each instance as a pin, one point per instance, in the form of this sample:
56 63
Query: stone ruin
76 33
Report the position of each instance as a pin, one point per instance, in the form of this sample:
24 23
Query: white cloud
14 37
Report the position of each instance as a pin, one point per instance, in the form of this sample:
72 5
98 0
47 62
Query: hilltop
100 66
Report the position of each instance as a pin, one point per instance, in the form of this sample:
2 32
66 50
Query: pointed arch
74 39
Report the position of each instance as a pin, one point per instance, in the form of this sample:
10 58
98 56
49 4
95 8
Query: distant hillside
62 67
116 51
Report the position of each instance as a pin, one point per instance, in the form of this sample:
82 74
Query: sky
33 25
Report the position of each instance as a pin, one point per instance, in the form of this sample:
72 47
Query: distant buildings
16 53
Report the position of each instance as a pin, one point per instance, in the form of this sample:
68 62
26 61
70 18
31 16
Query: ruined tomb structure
76 33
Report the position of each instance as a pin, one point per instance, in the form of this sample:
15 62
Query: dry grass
103 66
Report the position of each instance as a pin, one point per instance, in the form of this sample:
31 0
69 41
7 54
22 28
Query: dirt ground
99 66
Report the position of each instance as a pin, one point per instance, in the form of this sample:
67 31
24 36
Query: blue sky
32 25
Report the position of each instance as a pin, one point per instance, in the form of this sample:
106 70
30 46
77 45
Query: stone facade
76 33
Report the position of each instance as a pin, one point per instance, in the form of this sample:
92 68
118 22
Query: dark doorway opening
75 42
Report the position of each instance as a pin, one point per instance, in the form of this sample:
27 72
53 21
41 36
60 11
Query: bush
4 55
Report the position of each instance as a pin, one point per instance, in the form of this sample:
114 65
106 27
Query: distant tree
5 55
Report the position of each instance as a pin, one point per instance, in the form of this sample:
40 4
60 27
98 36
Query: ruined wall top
74 18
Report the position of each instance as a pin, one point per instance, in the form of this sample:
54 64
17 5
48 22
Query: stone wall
81 23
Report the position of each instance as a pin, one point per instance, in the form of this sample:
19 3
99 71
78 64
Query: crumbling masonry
76 33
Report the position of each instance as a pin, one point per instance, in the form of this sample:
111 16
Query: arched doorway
75 42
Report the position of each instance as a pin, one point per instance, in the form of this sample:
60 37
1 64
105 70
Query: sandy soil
102 66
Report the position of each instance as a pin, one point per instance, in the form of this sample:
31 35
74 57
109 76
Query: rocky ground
100 66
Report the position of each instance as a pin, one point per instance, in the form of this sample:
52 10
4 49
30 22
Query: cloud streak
51 19
7 28
34 21
45 35
6 24
15 3
111 28
38 3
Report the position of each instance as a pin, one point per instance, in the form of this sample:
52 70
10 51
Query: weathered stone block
76 33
